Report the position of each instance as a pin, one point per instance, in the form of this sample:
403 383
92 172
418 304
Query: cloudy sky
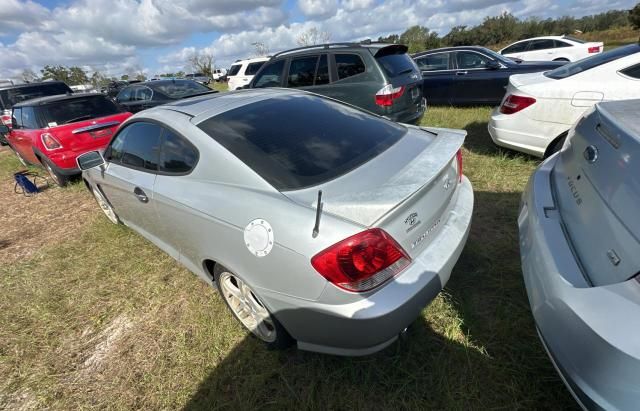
114 36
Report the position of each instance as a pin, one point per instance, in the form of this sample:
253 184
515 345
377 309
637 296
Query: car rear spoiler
94 127
391 49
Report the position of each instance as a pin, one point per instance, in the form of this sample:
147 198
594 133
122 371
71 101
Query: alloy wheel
247 307
105 206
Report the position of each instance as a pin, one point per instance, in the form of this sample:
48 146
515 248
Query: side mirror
493 65
4 129
89 160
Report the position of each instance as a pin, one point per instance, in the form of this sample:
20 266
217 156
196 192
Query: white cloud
318 8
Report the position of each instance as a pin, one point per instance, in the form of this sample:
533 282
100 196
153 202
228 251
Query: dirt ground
28 223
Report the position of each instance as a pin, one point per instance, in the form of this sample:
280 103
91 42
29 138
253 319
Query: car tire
104 205
59 179
249 310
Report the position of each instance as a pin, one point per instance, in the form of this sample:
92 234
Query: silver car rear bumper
372 323
592 334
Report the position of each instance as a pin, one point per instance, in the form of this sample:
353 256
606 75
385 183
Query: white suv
242 71
218 74
552 48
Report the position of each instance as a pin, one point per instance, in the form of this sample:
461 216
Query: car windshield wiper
78 118
409 70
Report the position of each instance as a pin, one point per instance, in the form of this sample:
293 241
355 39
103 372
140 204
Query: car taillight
513 104
387 94
5 117
459 163
50 142
362 262
595 49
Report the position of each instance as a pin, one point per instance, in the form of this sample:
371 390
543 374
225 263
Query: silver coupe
580 248
319 223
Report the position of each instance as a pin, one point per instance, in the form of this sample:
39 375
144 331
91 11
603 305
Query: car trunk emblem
591 154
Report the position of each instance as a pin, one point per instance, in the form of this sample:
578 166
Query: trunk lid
406 190
88 134
597 190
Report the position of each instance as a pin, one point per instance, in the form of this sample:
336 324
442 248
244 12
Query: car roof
155 83
52 99
443 49
41 83
251 60
372 47
222 102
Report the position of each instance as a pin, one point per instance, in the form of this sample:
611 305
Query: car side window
349 65
124 95
559 43
433 62
142 146
253 68
114 151
470 60
16 118
29 118
633 71
143 93
270 76
542 44
322 74
516 48
178 155
302 71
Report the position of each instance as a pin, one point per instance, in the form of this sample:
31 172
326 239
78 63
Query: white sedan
552 48
539 108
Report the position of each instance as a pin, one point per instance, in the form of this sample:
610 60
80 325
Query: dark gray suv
377 77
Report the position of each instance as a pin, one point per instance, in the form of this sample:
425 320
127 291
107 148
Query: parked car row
333 221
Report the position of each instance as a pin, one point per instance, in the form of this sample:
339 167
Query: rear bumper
411 115
519 132
368 325
592 334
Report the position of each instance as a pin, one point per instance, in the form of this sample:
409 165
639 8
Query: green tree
57 73
124 77
634 16
77 76
419 38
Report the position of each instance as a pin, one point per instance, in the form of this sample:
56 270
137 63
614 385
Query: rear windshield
234 69
181 88
580 66
78 109
16 95
253 68
396 64
319 141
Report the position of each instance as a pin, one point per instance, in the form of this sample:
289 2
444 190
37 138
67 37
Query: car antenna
316 228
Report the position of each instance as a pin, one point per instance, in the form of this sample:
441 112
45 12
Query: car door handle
140 195
461 73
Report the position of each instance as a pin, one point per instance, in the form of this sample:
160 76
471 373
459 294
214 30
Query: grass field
106 320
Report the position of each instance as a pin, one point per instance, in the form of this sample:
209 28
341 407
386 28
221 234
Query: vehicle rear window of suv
320 141
78 109
13 96
580 66
396 64
253 68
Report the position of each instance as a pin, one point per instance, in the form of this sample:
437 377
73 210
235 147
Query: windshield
320 140
396 64
78 109
12 96
181 88
498 56
588 63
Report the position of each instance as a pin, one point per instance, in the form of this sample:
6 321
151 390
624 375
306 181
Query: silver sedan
580 248
319 223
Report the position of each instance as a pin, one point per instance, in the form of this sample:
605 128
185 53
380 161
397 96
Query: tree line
506 28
